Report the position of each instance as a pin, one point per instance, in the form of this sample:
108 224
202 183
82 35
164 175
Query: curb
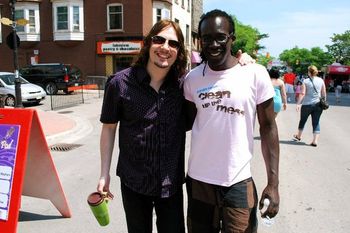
81 129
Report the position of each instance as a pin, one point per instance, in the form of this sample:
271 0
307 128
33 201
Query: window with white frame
115 17
62 18
68 18
76 18
30 12
159 14
19 14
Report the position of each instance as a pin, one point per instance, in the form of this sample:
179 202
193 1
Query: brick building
98 36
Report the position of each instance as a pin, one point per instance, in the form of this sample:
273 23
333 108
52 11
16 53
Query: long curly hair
180 64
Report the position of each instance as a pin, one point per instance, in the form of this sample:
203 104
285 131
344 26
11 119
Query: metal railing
2 100
93 87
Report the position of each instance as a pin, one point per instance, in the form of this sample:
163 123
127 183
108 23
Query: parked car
53 76
30 92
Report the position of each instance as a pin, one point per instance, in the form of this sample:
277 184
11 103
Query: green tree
264 60
299 59
247 39
340 49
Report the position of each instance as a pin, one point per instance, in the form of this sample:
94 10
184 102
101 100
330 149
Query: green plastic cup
98 204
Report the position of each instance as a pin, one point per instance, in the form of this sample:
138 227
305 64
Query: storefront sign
8 150
119 47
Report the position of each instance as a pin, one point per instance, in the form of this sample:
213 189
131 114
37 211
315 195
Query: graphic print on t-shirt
213 98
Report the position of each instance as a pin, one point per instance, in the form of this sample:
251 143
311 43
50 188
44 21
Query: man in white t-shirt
226 98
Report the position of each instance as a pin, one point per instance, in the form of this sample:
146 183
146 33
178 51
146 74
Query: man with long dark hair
147 101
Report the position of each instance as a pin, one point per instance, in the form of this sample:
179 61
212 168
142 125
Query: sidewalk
307 174
67 125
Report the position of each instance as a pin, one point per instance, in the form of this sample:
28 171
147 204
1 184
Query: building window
115 17
19 14
177 21
31 20
183 3
189 5
165 14
68 19
62 18
159 14
30 12
76 18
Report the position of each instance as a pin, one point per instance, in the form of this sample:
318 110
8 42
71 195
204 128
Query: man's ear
233 37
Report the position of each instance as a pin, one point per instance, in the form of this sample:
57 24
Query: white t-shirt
222 135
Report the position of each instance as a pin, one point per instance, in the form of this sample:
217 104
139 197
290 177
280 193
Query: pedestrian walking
338 86
308 104
298 90
289 79
226 97
280 97
147 101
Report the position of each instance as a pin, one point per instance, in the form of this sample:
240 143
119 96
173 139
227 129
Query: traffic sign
22 22
6 21
10 41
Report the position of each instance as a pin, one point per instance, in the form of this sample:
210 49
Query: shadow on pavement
26 216
291 142
288 142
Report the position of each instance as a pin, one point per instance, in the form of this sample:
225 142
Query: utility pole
18 93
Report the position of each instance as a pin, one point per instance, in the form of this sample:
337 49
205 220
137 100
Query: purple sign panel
9 135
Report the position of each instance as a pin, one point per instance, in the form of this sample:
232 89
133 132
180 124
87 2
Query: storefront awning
195 57
345 70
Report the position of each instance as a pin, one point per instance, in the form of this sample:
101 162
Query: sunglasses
161 40
220 38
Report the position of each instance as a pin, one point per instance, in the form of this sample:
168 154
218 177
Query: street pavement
314 181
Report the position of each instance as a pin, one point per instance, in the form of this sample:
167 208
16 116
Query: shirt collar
143 77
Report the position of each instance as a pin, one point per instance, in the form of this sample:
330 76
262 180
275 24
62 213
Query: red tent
342 70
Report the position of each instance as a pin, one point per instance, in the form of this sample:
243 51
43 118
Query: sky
301 23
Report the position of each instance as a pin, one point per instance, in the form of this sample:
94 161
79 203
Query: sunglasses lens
221 38
175 44
161 40
207 39
158 40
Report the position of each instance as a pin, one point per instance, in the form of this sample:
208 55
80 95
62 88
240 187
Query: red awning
195 57
345 70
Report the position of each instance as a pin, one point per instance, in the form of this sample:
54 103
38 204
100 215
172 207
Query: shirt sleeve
110 105
187 88
265 89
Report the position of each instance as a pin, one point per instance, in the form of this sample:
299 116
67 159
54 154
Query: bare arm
283 94
106 150
270 151
191 112
323 91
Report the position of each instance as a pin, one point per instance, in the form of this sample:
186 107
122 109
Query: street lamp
18 93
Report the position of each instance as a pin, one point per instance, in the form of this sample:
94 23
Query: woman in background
280 97
308 104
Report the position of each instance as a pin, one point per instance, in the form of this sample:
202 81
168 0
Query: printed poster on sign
9 135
